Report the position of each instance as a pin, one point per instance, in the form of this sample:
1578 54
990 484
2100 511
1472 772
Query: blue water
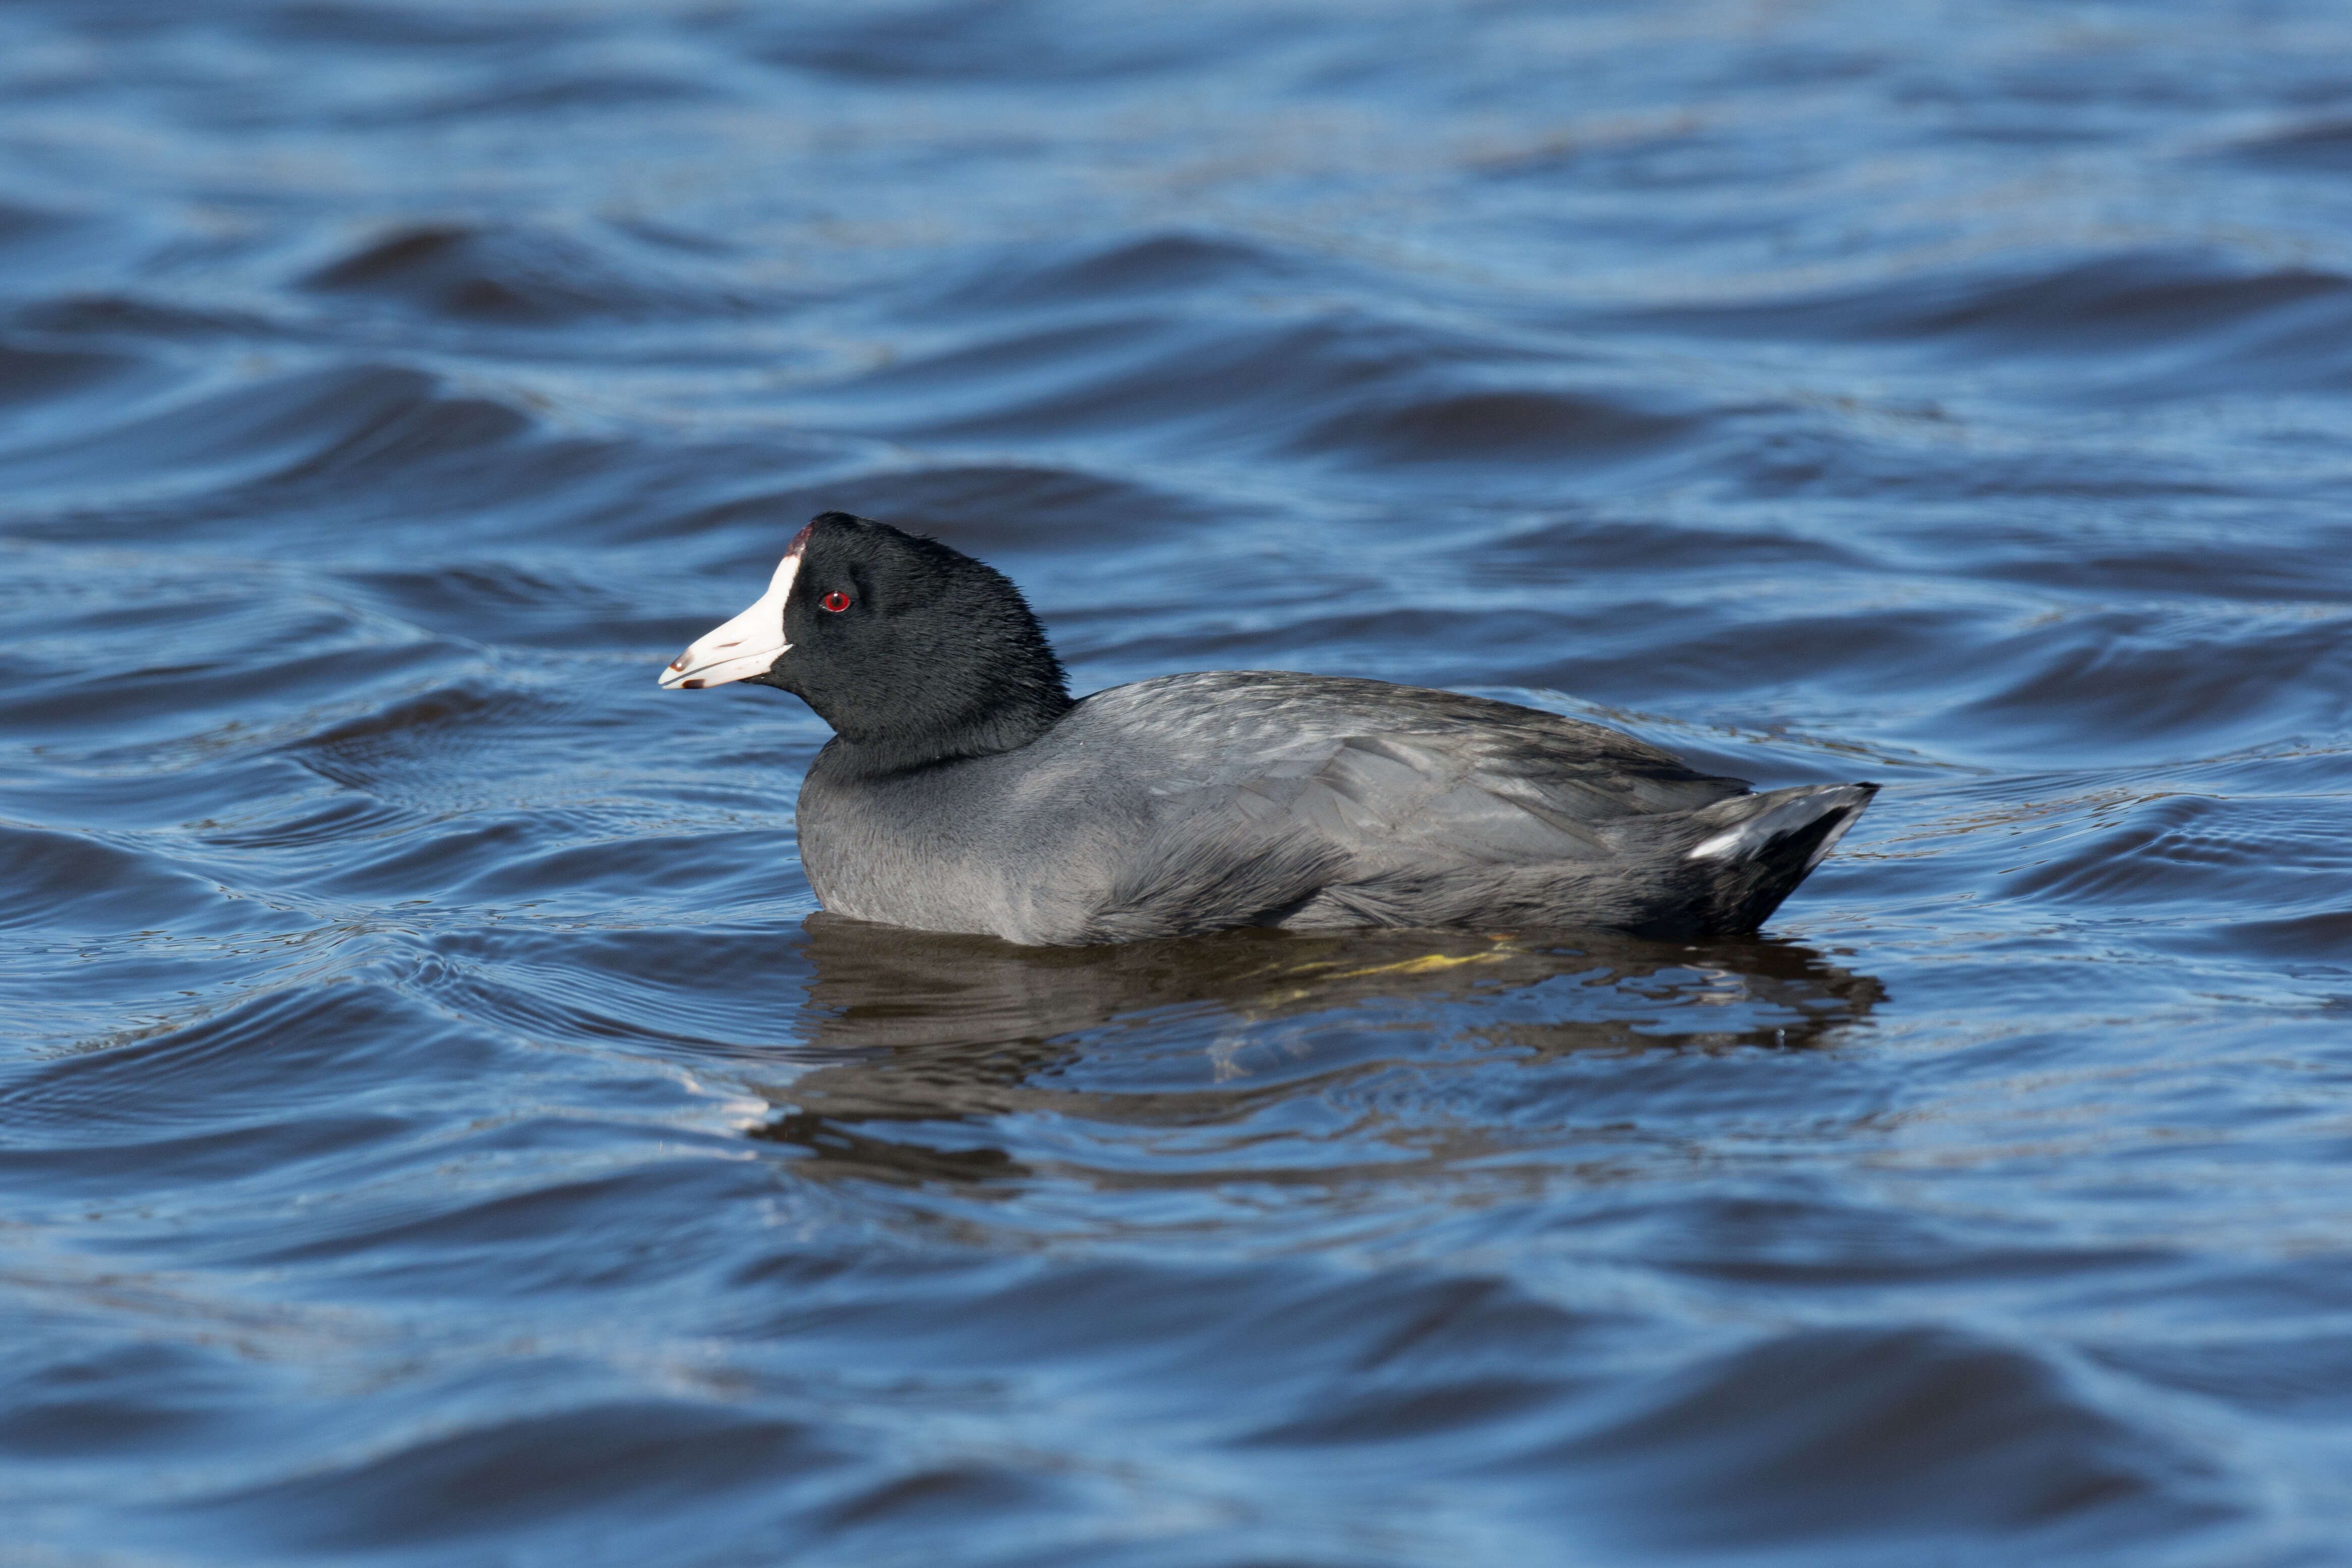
436 1127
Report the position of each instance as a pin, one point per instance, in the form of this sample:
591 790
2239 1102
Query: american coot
964 790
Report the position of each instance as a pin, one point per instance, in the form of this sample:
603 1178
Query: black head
913 651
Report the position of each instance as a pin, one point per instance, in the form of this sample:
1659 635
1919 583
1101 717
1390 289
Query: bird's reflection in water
902 1027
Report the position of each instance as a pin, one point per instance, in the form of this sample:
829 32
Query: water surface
437 1128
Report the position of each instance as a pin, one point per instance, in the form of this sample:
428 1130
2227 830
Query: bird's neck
1005 726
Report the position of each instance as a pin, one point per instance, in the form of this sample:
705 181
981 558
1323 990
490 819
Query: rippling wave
439 1126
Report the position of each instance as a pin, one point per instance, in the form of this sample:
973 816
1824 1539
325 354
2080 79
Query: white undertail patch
1750 837
1723 846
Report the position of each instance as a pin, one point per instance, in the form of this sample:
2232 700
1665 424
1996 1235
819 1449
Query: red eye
835 602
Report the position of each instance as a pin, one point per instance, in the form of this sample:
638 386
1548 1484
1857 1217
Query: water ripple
441 1128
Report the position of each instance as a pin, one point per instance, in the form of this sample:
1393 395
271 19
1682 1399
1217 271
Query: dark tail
1777 841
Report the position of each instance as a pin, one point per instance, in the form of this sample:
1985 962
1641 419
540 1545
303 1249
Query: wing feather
1277 802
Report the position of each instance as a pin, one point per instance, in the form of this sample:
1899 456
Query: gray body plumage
1198 802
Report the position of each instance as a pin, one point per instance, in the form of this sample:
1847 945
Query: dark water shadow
910 1028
